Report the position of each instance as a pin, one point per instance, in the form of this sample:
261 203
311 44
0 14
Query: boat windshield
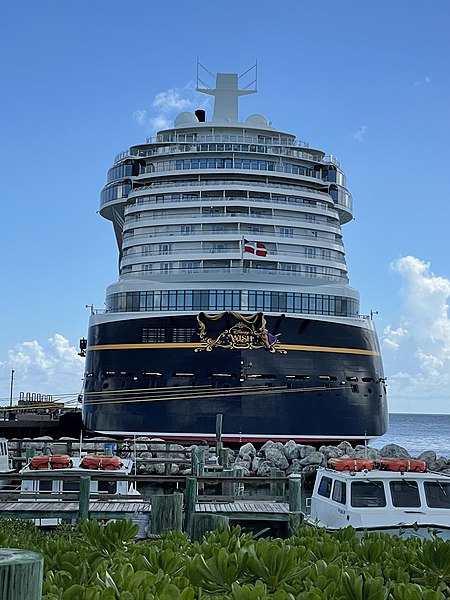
405 493
437 494
367 494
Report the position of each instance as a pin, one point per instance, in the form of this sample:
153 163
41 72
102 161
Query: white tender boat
61 474
394 496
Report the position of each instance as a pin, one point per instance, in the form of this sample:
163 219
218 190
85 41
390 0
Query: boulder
394 451
331 452
347 449
264 467
313 458
277 458
366 452
244 461
429 457
295 467
291 450
247 450
304 450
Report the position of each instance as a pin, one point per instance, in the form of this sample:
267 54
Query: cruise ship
233 295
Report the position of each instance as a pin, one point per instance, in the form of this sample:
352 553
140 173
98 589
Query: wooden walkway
70 510
246 510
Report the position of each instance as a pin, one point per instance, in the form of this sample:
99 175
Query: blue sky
366 81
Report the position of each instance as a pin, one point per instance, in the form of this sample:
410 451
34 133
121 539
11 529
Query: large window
437 494
367 494
251 300
325 487
405 493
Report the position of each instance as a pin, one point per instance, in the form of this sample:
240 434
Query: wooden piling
224 458
277 488
167 513
204 522
83 506
295 500
219 445
21 573
190 502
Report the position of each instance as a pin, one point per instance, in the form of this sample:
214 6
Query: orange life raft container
52 461
402 464
97 461
351 464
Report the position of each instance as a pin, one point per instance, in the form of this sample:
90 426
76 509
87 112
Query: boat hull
320 381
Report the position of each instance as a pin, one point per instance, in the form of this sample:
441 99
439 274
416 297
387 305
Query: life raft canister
402 465
351 464
51 461
98 461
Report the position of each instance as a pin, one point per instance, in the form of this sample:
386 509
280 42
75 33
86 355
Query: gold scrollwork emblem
249 332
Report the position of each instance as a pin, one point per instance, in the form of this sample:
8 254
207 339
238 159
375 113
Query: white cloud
417 350
172 100
425 81
167 104
54 368
360 134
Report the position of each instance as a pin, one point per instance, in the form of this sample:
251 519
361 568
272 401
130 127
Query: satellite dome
257 119
185 118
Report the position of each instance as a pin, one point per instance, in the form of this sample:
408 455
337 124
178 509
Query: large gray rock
255 464
394 451
291 450
270 445
366 452
277 458
295 467
313 458
331 452
304 450
347 449
244 461
264 467
429 457
247 450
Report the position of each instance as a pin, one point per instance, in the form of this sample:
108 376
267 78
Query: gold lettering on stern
249 332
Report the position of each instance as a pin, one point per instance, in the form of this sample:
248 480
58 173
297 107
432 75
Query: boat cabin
380 499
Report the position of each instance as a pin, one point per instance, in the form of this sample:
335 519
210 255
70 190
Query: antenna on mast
226 90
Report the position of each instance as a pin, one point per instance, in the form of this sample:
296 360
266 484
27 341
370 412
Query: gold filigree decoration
248 333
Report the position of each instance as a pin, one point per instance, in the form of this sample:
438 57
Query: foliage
96 561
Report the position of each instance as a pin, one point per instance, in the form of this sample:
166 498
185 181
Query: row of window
192 197
369 494
195 266
232 163
122 171
240 300
166 249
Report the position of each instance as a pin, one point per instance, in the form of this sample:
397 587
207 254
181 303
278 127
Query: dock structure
183 509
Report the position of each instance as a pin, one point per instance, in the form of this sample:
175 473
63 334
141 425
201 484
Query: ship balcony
301 220
235 274
192 186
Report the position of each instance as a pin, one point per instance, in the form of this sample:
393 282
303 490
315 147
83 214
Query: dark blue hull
322 381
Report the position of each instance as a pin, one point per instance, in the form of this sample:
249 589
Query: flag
257 248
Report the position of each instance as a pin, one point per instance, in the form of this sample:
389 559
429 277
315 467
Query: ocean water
418 433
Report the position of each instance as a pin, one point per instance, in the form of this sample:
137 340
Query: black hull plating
328 386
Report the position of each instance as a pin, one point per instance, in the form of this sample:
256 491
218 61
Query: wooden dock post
276 488
83 502
224 458
21 574
204 522
167 513
295 500
219 444
235 488
190 502
29 453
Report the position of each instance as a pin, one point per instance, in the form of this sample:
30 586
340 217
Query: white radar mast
226 92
